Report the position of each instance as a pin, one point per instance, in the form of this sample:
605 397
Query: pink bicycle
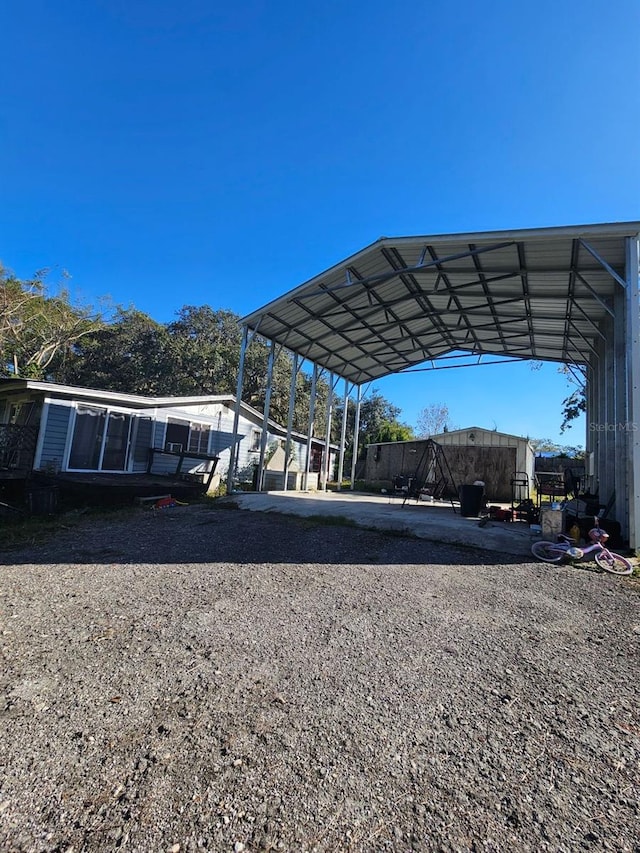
565 550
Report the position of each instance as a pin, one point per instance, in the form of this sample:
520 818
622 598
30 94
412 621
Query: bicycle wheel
613 563
548 552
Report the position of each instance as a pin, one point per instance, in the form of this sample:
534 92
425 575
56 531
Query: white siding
150 431
220 418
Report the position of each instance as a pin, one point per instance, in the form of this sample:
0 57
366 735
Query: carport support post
235 447
600 420
608 473
591 417
292 403
343 433
265 419
621 401
356 436
312 411
326 467
633 386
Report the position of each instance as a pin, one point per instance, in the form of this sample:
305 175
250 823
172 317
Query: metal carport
566 294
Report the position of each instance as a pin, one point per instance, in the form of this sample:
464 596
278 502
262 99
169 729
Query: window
256 435
185 436
177 437
86 445
116 442
100 440
21 413
199 438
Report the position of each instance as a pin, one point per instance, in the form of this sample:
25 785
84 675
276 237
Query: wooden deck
117 488
45 494
19 483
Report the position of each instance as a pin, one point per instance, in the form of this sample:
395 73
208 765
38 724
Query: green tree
254 386
205 350
376 413
37 327
378 422
393 431
198 353
131 355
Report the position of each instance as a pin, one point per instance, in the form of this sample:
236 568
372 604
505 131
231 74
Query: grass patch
217 503
328 521
37 529
343 521
396 532
29 531
360 486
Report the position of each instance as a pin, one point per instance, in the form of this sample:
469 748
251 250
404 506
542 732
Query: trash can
470 500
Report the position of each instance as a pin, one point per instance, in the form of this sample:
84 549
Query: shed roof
450 432
535 294
484 430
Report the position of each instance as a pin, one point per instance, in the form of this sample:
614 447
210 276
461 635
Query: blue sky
197 152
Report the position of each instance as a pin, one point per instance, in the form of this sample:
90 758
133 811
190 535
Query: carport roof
535 294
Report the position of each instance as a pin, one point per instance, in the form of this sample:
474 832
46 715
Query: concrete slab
436 522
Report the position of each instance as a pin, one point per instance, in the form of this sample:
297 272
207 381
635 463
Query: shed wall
493 465
524 459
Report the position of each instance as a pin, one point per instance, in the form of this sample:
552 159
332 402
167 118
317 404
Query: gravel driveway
190 679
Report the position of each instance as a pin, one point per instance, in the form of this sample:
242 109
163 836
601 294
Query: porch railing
17 447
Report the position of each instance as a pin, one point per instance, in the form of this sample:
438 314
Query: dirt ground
197 679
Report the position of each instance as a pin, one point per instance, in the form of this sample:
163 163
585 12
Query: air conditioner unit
174 447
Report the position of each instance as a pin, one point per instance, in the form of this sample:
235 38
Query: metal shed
568 294
496 458
474 436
